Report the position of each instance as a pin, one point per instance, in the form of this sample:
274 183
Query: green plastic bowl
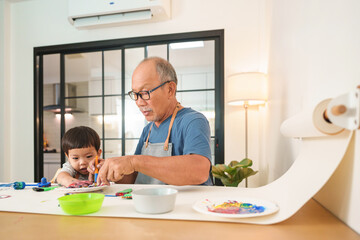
81 203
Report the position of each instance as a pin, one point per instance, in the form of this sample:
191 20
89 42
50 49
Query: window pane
133 56
192 81
157 51
51 125
52 142
112 148
130 146
94 105
112 68
112 118
203 102
81 69
51 68
134 119
212 145
194 66
89 116
51 80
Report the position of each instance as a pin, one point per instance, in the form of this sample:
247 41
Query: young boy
81 145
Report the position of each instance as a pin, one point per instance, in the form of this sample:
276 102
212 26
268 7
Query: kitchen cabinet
52 162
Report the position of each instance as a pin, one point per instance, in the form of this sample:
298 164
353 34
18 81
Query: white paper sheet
319 157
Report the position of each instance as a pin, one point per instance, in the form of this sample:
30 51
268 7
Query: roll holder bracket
344 110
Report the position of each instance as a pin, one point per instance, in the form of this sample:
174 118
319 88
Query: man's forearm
175 170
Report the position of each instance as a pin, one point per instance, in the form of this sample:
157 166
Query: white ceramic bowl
154 200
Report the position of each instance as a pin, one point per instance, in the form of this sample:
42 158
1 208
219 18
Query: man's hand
91 168
114 169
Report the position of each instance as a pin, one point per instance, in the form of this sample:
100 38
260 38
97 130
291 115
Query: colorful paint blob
4 196
235 207
81 184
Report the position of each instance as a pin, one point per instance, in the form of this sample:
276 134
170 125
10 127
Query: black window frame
117 44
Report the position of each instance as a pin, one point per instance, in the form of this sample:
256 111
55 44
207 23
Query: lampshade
250 87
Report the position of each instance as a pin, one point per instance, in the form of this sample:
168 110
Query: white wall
314 54
2 81
4 90
42 22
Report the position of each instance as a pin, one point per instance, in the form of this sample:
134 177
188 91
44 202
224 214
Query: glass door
51 113
89 87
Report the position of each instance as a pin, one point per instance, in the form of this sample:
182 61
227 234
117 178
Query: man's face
146 78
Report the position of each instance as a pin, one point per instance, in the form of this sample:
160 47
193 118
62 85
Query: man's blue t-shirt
190 134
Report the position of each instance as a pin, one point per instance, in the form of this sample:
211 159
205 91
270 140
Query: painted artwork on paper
235 207
238 207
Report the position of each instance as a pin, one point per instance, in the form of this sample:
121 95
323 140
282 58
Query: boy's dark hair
80 137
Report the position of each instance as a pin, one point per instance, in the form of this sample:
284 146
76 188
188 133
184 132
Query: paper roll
310 123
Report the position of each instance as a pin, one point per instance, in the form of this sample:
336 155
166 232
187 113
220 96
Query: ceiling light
182 45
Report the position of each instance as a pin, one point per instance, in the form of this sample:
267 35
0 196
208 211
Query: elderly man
174 148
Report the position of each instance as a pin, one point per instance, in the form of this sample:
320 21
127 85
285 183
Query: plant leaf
249 172
229 183
239 176
231 175
246 162
233 163
230 170
218 170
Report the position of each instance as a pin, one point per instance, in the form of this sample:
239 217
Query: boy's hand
91 168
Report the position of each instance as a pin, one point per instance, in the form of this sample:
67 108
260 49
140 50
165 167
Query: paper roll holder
344 111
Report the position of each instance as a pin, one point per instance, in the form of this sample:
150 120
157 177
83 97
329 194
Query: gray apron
156 150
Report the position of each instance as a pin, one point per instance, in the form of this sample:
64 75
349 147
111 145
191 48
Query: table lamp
247 89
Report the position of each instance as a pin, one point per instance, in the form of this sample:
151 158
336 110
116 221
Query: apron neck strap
147 139
166 144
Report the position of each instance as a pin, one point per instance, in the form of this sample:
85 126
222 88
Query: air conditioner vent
99 13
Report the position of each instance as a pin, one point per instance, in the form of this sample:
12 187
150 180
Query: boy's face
80 158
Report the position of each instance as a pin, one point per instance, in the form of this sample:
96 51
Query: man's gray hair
165 70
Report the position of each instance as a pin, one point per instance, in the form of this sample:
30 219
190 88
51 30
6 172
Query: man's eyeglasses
144 95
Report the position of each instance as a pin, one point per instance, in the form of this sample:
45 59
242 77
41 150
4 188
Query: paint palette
82 189
236 207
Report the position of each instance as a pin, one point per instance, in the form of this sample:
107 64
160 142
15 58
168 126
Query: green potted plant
231 175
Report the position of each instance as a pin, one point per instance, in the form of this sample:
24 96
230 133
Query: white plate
83 189
203 206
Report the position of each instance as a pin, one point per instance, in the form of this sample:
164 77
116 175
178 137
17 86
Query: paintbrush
96 170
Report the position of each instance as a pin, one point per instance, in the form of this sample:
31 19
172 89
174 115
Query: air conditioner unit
84 14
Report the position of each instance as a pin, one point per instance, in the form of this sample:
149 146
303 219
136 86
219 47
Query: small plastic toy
22 185
44 189
124 192
127 196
